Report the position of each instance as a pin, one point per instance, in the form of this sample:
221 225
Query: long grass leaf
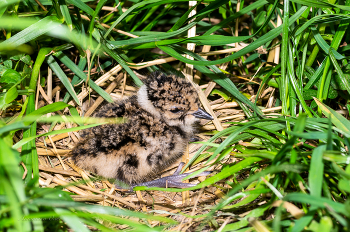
31 32
74 68
319 202
323 44
339 70
81 5
29 139
316 171
316 76
66 14
29 152
321 4
337 119
13 127
251 47
72 220
115 56
63 78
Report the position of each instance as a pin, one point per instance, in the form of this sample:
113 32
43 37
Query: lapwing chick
160 122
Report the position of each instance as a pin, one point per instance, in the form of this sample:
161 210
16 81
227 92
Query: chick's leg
173 181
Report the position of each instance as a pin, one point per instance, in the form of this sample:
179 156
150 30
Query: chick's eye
175 110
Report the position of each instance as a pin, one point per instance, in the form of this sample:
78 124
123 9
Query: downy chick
160 123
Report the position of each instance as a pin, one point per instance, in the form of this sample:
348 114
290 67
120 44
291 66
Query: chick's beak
200 113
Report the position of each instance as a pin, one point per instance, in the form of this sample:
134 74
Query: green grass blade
26 140
72 220
63 78
99 209
337 119
66 15
339 70
10 160
81 5
295 84
251 47
320 4
182 20
151 38
7 97
13 184
115 56
323 44
56 106
13 127
319 202
29 153
246 182
316 76
230 19
316 171
31 32
75 69
98 8
131 9
317 20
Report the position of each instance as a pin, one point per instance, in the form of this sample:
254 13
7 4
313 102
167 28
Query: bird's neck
145 103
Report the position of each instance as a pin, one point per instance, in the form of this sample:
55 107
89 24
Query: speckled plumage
160 120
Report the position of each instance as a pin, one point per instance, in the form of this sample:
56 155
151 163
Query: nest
56 168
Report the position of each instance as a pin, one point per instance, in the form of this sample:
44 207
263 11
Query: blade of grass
337 119
30 32
251 47
29 153
81 5
316 171
26 140
66 15
295 84
63 78
319 202
339 70
115 56
75 69
270 170
12 186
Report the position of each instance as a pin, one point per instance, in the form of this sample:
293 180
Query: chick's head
172 98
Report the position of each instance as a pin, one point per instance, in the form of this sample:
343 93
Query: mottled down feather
160 123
